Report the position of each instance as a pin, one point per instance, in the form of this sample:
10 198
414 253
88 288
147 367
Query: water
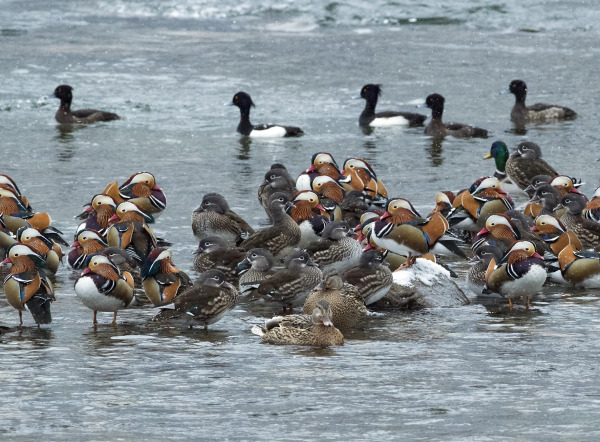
167 68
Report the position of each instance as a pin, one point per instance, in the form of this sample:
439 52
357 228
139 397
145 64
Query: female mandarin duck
586 230
521 273
315 330
536 113
254 269
277 180
160 279
130 232
359 175
98 214
555 234
27 287
578 269
204 303
88 243
243 101
371 93
214 253
480 263
64 114
371 277
102 288
215 218
43 246
437 128
282 236
337 250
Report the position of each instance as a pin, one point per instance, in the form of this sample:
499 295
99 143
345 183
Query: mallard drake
371 277
536 113
437 128
64 114
337 250
315 330
371 93
347 304
161 281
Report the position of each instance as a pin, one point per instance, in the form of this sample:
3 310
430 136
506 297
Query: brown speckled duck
371 277
214 253
337 250
215 218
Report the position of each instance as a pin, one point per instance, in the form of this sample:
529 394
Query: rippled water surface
167 68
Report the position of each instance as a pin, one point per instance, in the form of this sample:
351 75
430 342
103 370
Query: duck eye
254 255
235 98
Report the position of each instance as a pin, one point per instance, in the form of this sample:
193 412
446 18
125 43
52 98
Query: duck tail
257 330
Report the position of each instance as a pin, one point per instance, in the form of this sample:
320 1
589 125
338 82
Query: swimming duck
555 234
102 288
480 263
214 253
579 269
290 286
215 218
130 231
371 277
243 101
337 250
519 274
437 128
371 93
88 243
254 269
537 113
161 281
64 114
26 287
204 303
314 330
282 236
141 190
347 305
586 230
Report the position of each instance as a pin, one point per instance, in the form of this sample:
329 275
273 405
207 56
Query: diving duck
536 113
371 277
337 250
586 230
254 269
437 128
359 175
214 253
479 265
243 101
88 243
141 190
204 303
290 286
215 218
579 269
161 281
315 330
520 273
102 288
282 236
26 286
347 304
64 114
371 93
555 234
130 231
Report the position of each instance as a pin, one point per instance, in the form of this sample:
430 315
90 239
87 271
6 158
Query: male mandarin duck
337 250
64 114
309 214
579 269
315 330
141 189
525 163
359 175
215 218
331 195
347 305
214 253
254 269
43 246
480 262
102 288
98 214
324 164
520 273
437 128
555 234
9 184
592 207
26 286
282 236
371 277
586 230
290 286
160 279
443 203
130 231
204 303
503 228
536 113
88 243
471 207
369 118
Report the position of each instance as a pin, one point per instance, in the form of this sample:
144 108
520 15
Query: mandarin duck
254 269
347 304
243 101
324 164
204 303
161 281
64 114
282 236
578 269
555 234
102 288
214 253
97 215
8 183
586 230
277 179
479 265
331 195
43 246
592 207
437 128
26 286
290 286
337 250
88 243
359 175
536 113
141 189
215 218
543 202
353 206
315 330
503 228
130 231
371 93
371 277
307 211
520 273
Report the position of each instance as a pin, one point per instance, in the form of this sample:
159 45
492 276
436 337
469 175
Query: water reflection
435 151
244 150
367 130
66 139
34 337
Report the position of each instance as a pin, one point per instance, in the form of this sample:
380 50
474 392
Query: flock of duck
335 244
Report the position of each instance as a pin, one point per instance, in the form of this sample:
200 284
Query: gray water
167 68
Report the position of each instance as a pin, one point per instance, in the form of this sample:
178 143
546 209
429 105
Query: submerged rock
425 284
